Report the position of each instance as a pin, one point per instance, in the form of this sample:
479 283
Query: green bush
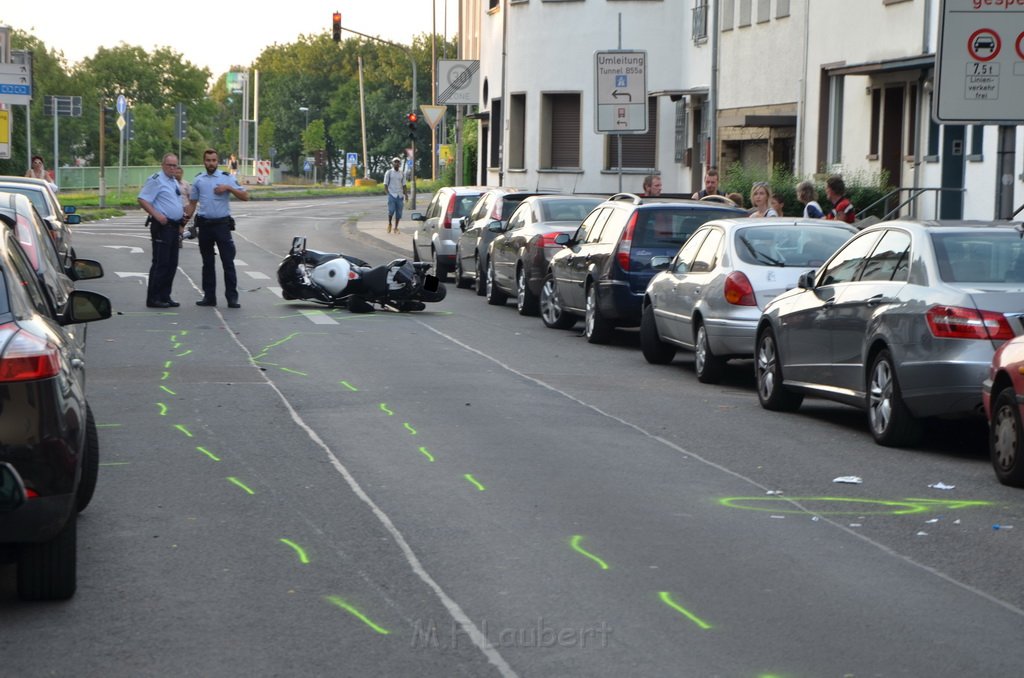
863 188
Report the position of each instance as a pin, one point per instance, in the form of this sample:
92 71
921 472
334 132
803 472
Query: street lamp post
305 109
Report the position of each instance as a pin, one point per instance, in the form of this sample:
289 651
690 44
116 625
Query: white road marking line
239 262
318 317
257 275
276 290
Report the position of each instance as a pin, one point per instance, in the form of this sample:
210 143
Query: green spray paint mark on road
181 427
575 544
838 506
385 410
167 365
288 369
239 483
168 390
666 598
176 345
163 409
335 600
165 376
348 385
409 428
209 454
109 425
185 353
426 453
115 463
278 343
303 558
470 478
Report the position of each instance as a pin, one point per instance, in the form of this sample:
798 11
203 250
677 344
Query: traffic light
337 26
411 120
180 121
129 130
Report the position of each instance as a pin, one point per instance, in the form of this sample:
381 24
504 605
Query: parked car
1002 395
47 431
902 321
492 209
604 267
59 219
433 236
709 297
522 249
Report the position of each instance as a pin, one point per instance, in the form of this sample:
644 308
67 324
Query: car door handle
878 299
830 302
78 363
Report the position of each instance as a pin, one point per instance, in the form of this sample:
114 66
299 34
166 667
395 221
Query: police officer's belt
219 221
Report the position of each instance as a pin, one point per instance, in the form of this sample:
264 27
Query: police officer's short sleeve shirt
212 205
163 193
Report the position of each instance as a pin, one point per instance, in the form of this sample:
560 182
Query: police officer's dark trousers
165 260
217 233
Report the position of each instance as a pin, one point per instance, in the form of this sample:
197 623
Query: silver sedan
709 298
902 321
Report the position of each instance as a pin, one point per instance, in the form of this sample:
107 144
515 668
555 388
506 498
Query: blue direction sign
352 158
122 104
15 84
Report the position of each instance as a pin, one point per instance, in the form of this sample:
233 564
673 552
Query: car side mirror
496 227
12 489
86 269
660 263
73 219
563 239
806 281
417 216
459 223
85 306
70 209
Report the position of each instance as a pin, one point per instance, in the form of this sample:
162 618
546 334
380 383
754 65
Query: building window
934 134
680 133
639 151
781 9
834 155
876 123
497 131
744 18
517 131
728 10
493 5
977 143
700 20
764 11
912 124
560 131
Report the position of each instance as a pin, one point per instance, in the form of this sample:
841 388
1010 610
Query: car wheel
656 351
1005 438
495 297
461 281
90 462
48 571
526 302
596 327
707 365
892 424
440 270
551 308
481 279
771 392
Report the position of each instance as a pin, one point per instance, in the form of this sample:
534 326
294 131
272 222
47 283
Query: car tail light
626 243
447 223
496 212
955 322
548 240
26 242
26 357
738 290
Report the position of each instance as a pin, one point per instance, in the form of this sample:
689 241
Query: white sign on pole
458 82
979 66
620 78
433 114
15 84
5 135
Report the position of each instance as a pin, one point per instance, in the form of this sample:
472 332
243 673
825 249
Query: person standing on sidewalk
160 197
394 184
212 193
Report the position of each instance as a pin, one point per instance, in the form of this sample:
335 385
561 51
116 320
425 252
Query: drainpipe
801 106
713 94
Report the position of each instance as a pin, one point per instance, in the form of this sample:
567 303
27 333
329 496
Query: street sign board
122 104
433 114
5 135
351 159
979 66
15 84
620 78
458 82
66 106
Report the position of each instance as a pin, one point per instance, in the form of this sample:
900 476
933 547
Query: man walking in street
160 197
394 183
212 192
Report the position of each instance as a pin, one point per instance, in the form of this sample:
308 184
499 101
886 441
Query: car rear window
38 199
464 204
570 209
789 244
980 257
671 226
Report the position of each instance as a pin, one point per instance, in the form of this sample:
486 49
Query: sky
216 34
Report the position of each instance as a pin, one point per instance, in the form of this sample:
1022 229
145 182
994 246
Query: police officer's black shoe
234 304
206 302
157 304
172 303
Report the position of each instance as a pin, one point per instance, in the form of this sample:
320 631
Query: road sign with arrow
620 79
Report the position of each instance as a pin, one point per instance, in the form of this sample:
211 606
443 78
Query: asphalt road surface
288 490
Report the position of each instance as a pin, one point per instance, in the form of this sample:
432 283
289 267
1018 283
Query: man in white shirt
394 183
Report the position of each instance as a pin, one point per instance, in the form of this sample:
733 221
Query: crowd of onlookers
763 203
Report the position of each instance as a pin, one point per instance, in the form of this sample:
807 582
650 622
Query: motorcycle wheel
437 295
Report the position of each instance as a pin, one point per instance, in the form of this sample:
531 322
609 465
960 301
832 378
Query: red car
1003 398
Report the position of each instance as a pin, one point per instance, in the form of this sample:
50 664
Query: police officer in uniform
160 197
212 192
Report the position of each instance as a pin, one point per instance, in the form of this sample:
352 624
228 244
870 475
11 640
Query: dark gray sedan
902 321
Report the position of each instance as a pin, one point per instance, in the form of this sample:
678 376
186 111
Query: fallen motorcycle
342 280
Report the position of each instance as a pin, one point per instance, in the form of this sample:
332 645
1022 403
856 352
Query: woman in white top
760 194
806 193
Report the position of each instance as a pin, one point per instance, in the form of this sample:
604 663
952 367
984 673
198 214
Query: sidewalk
376 228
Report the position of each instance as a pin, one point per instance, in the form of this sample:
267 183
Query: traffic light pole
412 61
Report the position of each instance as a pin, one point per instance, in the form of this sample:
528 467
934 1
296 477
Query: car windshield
980 256
569 209
669 227
789 244
464 204
38 199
